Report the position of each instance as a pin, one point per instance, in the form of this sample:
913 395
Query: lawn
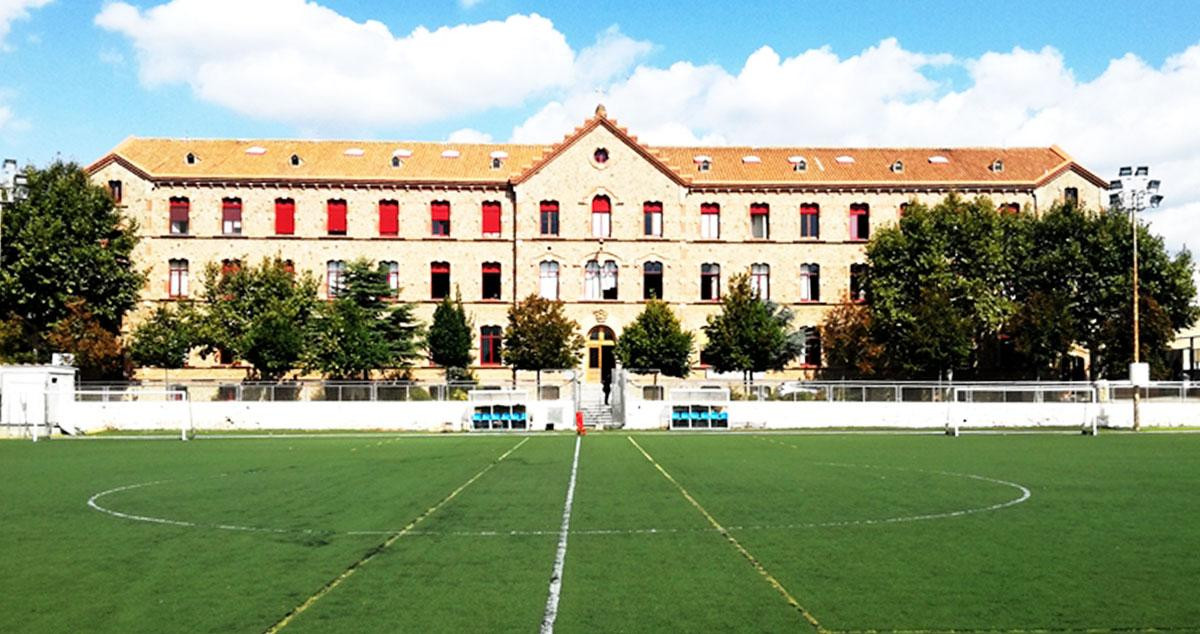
680 532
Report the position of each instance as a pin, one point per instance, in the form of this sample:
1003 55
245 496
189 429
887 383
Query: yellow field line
775 583
371 554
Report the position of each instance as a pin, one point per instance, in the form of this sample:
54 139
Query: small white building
32 398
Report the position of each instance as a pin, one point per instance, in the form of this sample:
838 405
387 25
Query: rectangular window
231 216
1010 208
335 214
114 190
591 280
439 218
439 280
491 219
601 217
652 280
548 280
860 221
229 267
810 282
491 280
652 215
177 278
710 221
858 287
1070 195
810 220
760 280
389 218
549 217
760 221
710 282
392 268
812 347
335 277
489 345
903 209
285 216
180 208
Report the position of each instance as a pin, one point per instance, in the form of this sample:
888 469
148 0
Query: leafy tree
360 331
66 240
655 340
260 314
450 337
848 341
164 339
539 336
749 334
98 352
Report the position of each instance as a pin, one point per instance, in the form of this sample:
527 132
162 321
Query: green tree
164 339
360 331
450 337
260 314
66 240
656 341
539 336
97 350
749 334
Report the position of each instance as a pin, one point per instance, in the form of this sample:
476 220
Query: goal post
133 408
698 408
1073 407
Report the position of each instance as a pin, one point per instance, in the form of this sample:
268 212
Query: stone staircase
595 413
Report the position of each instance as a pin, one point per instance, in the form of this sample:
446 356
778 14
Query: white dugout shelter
32 398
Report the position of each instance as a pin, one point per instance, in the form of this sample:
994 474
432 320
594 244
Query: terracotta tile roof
457 163
365 161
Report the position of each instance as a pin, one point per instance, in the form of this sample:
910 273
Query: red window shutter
389 218
652 208
601 205
491 217
491 267
759 209
439 210
549 205
285 217
710 208
439 267
179 211
336 216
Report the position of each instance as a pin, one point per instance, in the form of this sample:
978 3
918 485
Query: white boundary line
560 554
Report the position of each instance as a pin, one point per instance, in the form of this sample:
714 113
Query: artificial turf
865 532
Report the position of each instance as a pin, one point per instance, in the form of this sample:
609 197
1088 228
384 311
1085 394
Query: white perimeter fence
643 402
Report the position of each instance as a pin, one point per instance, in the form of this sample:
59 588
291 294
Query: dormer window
398 157
396 162
997 166
498 159
898 167
703 162
704 166
295 160
798 163
600 155
190 159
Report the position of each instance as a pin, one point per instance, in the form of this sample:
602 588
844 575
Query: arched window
439 218
810 220
710 221
760 221
179 210
549 217
335 277
601 217
489 345
860 221
389 218
710 282
439 280
810 282
231 216
548 279
760 280
177 278
652 280
858 279
285 216
652 219
491 219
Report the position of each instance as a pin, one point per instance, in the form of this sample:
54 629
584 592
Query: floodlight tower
1135 191
12 188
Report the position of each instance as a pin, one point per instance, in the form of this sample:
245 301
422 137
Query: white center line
560 555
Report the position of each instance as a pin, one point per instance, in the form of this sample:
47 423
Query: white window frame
710 226
591 280
548 280
760 280
177 278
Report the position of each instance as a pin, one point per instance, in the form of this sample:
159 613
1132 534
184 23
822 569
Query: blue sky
1110 82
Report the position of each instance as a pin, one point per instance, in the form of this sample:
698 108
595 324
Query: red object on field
579 424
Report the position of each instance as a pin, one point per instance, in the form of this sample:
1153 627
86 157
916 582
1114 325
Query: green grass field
460 533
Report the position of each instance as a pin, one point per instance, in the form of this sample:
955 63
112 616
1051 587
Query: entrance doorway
600 359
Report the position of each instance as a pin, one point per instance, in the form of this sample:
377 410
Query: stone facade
572 175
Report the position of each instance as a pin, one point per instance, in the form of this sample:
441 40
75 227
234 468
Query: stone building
598 220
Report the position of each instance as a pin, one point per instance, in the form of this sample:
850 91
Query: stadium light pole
1135 191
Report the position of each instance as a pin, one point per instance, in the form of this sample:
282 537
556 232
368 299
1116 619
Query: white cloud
469 135
300 62
13 10
1131 113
